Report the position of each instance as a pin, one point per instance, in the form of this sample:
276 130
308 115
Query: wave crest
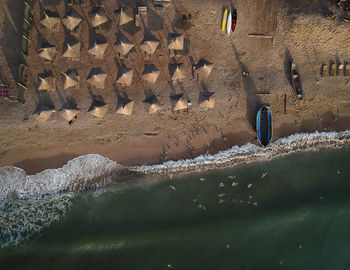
88 171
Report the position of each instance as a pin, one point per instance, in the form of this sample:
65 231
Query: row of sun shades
124 106
97 77
97 48
72 18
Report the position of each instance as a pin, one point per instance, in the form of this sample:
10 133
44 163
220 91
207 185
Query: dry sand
299 29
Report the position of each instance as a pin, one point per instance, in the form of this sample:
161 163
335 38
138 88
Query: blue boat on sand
264 125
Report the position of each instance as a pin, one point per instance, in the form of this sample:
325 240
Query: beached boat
224 20
234 20
264 125
229 23
296 82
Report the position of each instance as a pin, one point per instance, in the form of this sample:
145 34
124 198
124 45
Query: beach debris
170 266
227 245
263 175
281 262
202 179
221 185
338 172
195 200
249 185
300 246
321 197
255 203
234 184
221 195
234 200
250 197
173 187
231 177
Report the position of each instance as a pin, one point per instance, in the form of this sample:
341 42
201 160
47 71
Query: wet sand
152 150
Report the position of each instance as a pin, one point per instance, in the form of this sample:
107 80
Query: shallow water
289 213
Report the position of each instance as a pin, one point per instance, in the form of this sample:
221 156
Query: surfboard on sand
229 23
224 20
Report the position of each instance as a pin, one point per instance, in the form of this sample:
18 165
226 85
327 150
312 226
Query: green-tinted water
289 213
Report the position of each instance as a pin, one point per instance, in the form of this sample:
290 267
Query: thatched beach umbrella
176 71
70 78
124 76
175 41
150 73
50 20
180 102
97 78
98 49
97 17
123 45
125 106
68 112
149 44
43 113
152 104
46 82
203 68
125 15
98 109
48 52
207 100
72 20
71 49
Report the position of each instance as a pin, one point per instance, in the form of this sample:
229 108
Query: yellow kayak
224 20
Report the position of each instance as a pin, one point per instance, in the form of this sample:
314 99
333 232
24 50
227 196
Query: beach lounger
22 74
347 70
332 71
324 71
27 12
25 45
20 92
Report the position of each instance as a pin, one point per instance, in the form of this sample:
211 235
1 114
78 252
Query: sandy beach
299 31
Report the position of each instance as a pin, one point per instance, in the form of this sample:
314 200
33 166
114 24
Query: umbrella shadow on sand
253 100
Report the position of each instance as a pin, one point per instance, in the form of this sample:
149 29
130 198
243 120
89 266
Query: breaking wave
250 153
31 203
88 171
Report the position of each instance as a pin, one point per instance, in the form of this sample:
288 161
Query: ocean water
292 212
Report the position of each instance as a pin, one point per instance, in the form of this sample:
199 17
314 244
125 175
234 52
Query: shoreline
151 151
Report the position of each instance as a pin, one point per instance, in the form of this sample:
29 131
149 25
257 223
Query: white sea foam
250 153
79 173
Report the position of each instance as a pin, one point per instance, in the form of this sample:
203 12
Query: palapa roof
98 109
123 45
180 102
71 49
70 78
150 73
48 52
98 48
153 104
149 44
46 82
72 19
125 15
97 78
175 41
124 76
43 113
207 100
176 71
125 106
203 68
68 111
50 20
97 17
